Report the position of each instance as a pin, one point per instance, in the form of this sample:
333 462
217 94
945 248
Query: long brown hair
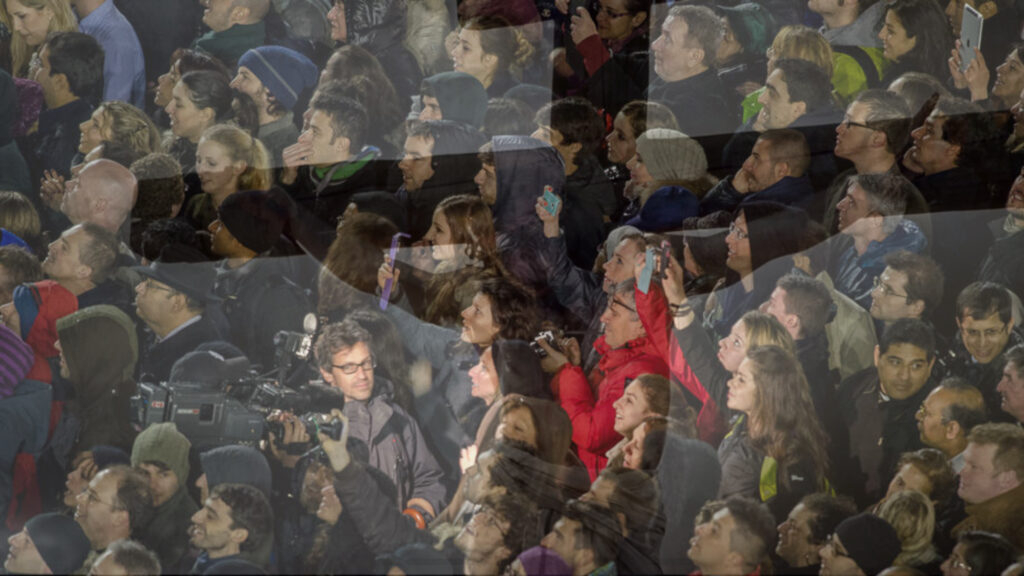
783 422
472 228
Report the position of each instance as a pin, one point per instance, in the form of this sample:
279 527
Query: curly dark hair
511 307
250 511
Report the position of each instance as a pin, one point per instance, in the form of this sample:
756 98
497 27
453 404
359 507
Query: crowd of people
526 287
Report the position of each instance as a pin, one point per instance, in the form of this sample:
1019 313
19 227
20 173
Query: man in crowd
127 557
172 301
235 27
49 543
985 331
161 452
71 76
862 544
991 482
233 464
103 193
234 522
328 165
116 505
875 128
852 23
496 533
871 215
1011 387
259 300
684 56
803 306
440 161
1004 262
453 96
775 171
910 286
879 405
124 69
626 353
397 447
586 537
83 261
736 540
947 416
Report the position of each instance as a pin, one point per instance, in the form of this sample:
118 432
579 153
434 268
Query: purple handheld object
385 295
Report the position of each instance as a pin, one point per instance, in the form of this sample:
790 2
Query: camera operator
396 445
172 300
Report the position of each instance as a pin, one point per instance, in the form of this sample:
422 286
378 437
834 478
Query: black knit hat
60 541
255 218
870 541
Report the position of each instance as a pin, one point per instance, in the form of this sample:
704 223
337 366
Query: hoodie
379 27
100 349
462 97
164 444
523 167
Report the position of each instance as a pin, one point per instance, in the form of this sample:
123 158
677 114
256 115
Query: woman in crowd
228 159
506 367
741 58
183 61
912 514
1006 86
200 100
116 121
916 37
630 123
668 177
777 431
448 413
926 471
493 52
978 552
648 395
29 22
349 271
278 80
20 223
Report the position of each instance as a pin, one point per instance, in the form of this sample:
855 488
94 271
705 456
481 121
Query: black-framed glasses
150 284
353 367
485 516
616 302
847 123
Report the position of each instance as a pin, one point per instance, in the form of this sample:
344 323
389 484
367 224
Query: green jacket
229 45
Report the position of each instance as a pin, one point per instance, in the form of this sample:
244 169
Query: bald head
103 193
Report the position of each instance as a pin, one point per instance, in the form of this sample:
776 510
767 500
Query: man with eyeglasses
862 544
985 325
172 301
878 407
396 444
948 415
117 504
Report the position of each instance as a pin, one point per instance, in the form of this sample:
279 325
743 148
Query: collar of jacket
612 358
999 512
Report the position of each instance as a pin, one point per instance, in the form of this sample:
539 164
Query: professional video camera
292 346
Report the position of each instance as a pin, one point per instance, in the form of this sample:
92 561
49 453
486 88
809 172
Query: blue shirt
124 69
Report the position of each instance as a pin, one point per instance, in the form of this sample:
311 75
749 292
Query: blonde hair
19 216
130 126
243 148
21 53
913 516
764 330
803 43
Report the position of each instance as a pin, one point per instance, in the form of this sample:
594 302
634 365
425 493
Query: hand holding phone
970 35
385 294
643 282
551 200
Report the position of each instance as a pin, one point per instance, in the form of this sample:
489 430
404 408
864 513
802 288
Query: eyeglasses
353 367
846 123
734 230
886 289
610 14
617 302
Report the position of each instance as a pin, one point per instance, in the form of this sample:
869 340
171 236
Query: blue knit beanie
284 72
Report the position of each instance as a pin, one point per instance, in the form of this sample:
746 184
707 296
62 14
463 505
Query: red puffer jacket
593 421
653 311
